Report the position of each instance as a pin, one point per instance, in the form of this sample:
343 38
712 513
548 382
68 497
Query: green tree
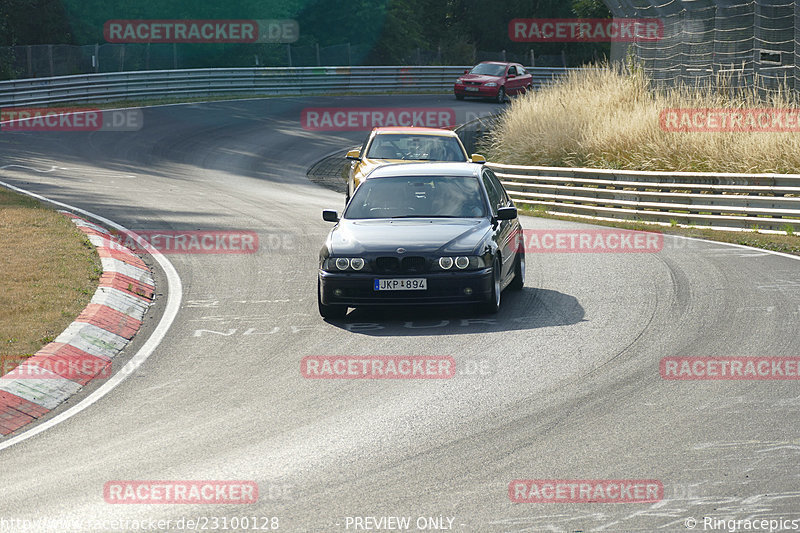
33 22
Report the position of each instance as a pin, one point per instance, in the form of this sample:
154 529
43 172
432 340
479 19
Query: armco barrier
268 81
727 201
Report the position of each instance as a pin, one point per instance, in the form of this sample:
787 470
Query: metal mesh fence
706 41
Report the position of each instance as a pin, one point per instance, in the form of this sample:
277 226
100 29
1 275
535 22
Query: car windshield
416 148
489 69
413 197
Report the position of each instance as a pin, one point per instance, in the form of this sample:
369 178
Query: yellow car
393 145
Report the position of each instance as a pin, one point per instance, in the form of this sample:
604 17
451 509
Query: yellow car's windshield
416 147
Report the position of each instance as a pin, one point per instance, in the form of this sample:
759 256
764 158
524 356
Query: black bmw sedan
422 234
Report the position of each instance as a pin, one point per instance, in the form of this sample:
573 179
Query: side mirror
354 155
466 71
329 215
506 213
478 158
510 75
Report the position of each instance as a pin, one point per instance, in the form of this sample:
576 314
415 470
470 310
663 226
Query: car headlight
462 262
491 84
343 264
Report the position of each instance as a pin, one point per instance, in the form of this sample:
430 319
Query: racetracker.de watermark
590 241
180 492
70 119
10 362
201 31
366 118
716 120
585 30
585 491
730 368
75 367
189 242
378 367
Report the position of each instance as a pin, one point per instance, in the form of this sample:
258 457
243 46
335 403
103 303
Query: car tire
329 311
519 273
501 95
492 305
459 97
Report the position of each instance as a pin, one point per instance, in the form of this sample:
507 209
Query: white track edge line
174 295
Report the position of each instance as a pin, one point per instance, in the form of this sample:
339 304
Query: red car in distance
493 79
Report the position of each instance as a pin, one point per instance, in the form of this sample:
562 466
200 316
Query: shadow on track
530 308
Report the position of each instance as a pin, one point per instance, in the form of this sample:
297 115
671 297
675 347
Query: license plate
471 89
401 284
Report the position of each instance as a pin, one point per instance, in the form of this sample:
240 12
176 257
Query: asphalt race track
563 383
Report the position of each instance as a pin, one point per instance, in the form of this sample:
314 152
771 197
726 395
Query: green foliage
590 9
389 31
33 22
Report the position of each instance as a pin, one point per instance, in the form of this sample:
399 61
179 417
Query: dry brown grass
48 273
602 118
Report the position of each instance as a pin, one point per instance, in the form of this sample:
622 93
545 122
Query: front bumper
357 289
482 92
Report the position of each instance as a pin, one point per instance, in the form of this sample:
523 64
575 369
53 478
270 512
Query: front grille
388 265
394 265
413 264
472 83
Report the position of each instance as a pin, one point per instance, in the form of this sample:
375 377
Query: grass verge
49 271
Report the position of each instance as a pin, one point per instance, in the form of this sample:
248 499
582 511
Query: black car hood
418 235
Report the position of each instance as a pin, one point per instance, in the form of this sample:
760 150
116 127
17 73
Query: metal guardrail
727 201
267 81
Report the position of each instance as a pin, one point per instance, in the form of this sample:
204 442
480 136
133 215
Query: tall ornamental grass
606 118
